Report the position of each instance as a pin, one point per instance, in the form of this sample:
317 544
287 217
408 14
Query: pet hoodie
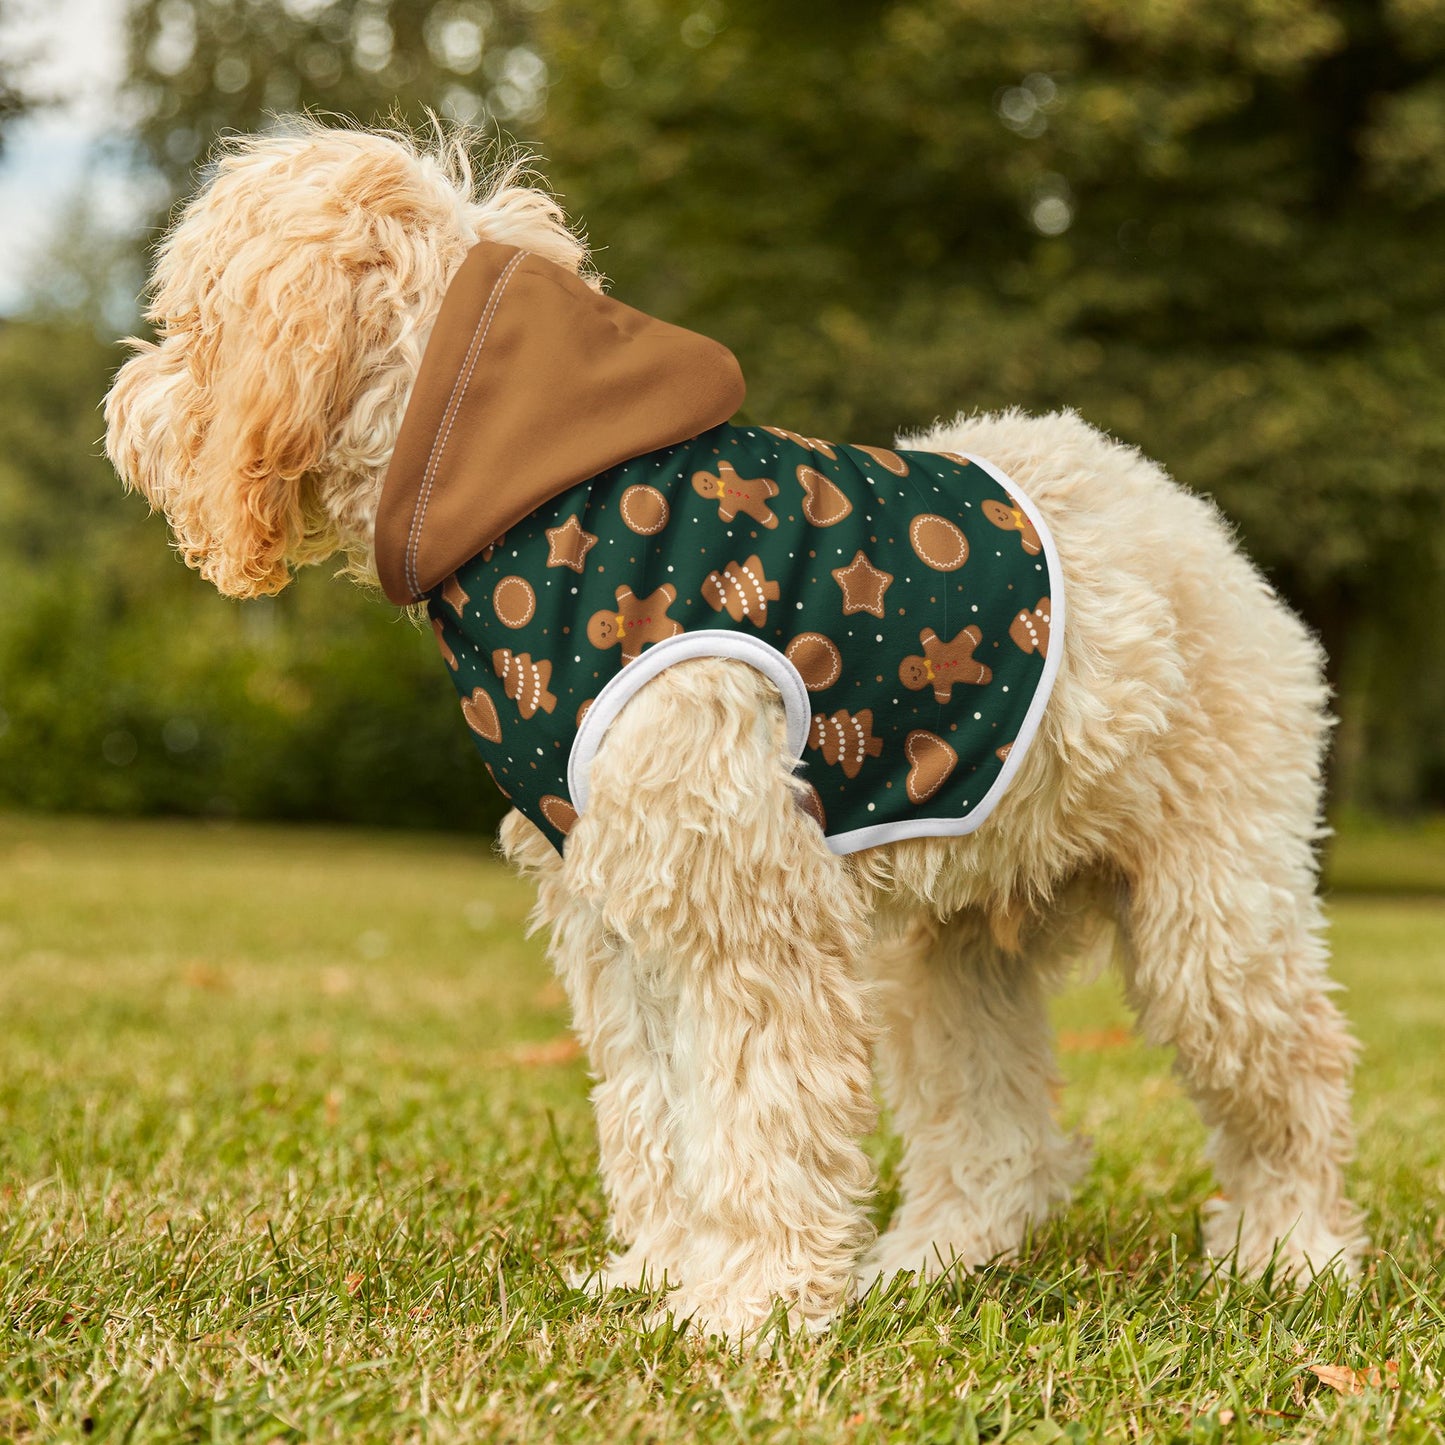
570 500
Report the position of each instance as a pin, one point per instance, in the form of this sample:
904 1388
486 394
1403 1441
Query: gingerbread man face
603 629
913 673
1012 519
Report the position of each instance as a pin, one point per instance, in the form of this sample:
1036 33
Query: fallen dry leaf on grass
551 995
1346 1381
560 1050
202 975
1100 1039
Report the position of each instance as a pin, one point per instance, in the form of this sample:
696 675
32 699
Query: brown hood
531 383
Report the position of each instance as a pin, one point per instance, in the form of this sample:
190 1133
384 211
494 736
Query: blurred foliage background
1214 227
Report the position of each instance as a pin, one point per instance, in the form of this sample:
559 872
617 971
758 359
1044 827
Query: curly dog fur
733 993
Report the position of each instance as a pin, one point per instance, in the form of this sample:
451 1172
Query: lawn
293 1145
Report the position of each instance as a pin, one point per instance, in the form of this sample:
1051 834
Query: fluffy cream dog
730 977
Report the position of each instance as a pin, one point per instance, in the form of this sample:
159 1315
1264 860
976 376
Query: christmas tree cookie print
1030 628
526 682
845 739
743 589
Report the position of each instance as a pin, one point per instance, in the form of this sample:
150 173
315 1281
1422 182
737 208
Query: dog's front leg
621 1012
739 929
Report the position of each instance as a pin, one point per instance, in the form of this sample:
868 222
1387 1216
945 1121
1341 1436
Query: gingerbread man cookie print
734 494
944 663
1011 518
635 622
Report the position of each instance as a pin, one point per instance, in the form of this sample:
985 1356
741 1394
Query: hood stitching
444 428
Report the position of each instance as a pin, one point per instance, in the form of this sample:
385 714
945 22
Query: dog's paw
633 1270
900 1253
1297 1245
753 1324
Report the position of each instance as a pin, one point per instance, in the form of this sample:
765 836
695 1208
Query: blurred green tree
127 685
199 68
1216 229
15 96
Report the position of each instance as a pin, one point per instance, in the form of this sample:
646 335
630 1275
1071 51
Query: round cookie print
514 602
644 510
812 804
817 659
938 542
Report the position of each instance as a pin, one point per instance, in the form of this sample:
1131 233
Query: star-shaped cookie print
568 545
454 594
863 586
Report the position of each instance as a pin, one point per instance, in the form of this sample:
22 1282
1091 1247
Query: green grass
289 1149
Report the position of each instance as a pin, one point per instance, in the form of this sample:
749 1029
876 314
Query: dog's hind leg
966 1059
739 930
1225 960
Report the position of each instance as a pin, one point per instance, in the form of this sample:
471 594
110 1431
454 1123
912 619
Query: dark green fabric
880 735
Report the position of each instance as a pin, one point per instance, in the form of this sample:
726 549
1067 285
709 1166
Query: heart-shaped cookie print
889 461
558 812
931 761
823 502
481 715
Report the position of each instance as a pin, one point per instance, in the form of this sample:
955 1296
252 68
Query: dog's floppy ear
275 360
220 423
